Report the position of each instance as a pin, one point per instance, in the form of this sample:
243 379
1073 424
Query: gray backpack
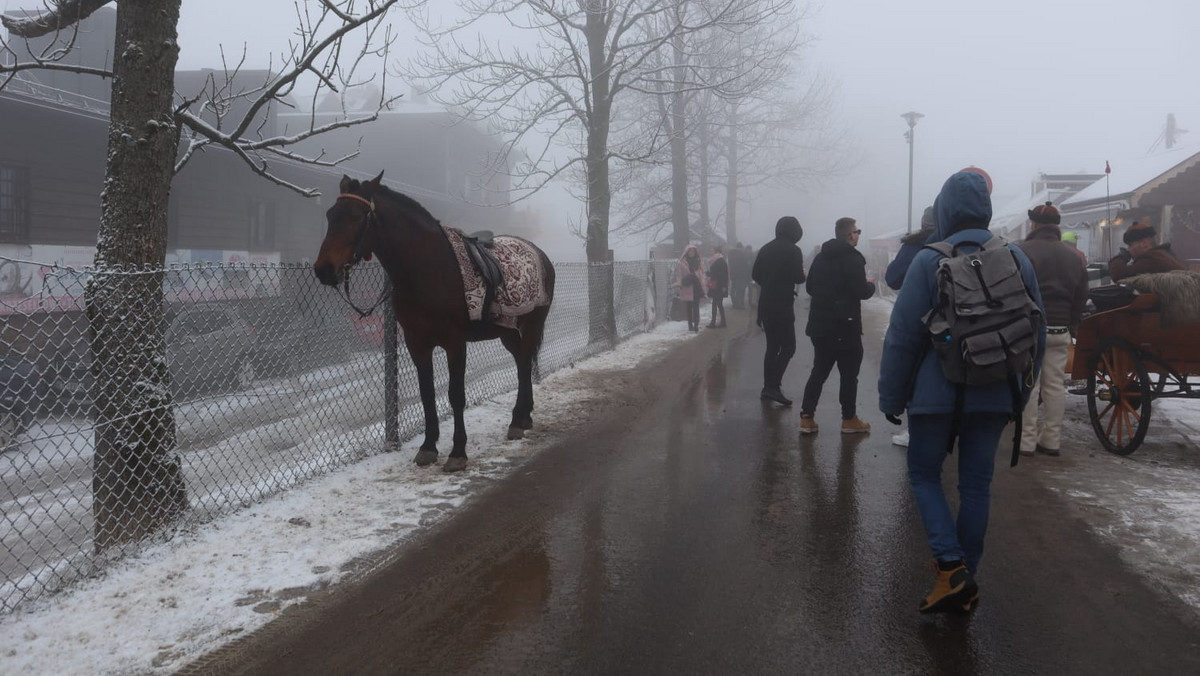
984 323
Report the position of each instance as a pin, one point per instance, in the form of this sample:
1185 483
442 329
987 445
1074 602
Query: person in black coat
778 268
718 286
739 274
838 284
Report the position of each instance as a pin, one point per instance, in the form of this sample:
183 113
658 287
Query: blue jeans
950 538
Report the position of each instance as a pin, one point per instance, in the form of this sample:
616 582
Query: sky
156 612
1015 87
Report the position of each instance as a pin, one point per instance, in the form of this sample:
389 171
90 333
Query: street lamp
911 117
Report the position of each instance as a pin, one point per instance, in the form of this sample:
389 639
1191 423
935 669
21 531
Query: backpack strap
960 395
1018 413
944 248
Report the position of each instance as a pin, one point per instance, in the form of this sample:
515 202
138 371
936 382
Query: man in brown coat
1062 279
1142 256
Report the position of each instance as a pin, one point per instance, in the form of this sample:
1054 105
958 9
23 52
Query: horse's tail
548 278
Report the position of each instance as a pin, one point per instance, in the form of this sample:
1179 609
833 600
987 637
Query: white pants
1051 387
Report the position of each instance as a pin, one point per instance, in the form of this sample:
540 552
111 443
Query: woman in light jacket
690 282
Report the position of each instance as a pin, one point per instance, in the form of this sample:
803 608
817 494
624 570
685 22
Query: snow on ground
1146 503
176 601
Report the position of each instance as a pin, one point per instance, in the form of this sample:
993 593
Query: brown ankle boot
808 425
954 591
854 426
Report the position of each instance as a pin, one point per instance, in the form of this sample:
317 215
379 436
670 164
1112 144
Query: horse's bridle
359 255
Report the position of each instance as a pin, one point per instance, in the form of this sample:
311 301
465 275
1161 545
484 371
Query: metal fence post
391 376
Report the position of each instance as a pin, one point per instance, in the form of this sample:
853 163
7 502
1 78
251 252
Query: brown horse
429 296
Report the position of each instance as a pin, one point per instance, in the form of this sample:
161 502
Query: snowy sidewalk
155 612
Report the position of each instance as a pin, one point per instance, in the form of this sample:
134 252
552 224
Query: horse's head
350 235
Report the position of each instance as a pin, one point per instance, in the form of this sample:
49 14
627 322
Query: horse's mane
404 200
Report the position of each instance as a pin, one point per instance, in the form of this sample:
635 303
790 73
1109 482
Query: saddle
479 249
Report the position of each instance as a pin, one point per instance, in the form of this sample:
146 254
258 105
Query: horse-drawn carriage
1130 356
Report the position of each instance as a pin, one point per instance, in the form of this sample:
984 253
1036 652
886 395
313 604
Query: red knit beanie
1045 214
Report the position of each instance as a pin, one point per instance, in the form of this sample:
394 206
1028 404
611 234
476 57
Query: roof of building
1131 174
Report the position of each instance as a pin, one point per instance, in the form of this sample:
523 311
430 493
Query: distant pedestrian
752 290
739 275
1063 283
911 378
778 268
689 281
896 270
837 282
718 286
1072 240
910 244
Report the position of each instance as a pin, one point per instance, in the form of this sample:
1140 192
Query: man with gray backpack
962 350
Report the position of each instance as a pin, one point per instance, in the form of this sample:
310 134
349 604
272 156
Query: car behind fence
274 382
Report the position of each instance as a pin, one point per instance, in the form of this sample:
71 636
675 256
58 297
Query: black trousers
847 354
693 314
781 345
737 293
718 305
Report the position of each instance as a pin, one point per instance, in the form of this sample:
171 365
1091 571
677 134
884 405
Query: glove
894 419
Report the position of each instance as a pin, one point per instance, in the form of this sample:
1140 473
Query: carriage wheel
1119 394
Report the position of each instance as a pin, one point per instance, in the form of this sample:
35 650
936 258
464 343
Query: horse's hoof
455 464
515 433
425 457
526 424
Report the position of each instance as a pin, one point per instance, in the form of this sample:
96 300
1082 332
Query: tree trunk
679 206
731 185
137 482
603 326
704 218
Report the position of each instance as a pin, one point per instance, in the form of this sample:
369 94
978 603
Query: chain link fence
273 381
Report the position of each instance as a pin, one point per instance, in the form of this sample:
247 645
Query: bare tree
747 52
137 484
559 98
786 137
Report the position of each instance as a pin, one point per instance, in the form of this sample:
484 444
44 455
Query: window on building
14 204
262 226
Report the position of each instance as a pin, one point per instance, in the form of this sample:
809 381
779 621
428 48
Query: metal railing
273 379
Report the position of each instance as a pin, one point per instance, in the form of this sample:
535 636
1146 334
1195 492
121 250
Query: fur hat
1138 231
1045 214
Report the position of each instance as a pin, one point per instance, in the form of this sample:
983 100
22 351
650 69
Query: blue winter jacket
910 376
898 268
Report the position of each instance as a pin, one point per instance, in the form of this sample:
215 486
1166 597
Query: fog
1016 87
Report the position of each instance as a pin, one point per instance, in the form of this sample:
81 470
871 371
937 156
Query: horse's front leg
456 360
423 359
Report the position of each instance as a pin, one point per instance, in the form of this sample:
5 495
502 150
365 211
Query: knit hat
986 176
1070 237
927 219
1138 231
1045 214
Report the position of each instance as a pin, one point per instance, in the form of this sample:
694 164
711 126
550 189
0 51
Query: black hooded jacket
838 284
778 268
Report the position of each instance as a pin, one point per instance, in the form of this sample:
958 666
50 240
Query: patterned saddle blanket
522 289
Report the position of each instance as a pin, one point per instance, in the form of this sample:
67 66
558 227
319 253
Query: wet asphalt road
694 531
